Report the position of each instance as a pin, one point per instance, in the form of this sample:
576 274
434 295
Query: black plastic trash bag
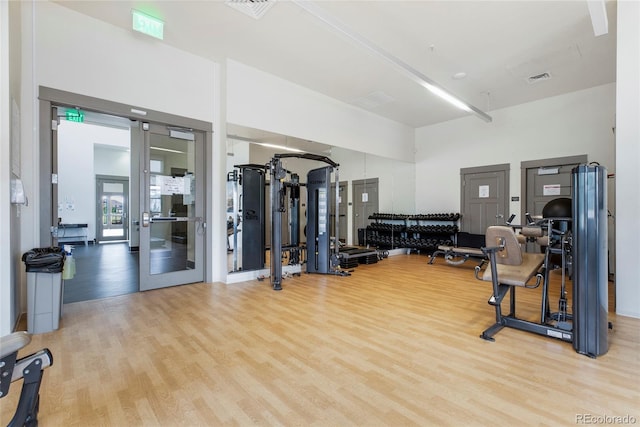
44 260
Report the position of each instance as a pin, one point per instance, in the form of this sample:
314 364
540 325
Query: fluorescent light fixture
280 147
448 97
264 144
167 149
146 24
598 12
401 66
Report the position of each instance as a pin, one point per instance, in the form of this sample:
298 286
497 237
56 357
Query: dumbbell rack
388 230
432 230
420 232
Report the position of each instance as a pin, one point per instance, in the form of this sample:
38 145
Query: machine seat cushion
517 275
13 342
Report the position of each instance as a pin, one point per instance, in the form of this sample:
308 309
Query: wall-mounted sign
483 191
551 190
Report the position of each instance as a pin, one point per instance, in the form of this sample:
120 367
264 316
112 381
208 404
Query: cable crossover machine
320 257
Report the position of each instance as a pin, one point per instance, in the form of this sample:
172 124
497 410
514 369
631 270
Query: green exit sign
147 24
75 116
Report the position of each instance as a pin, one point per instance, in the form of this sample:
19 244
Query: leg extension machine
30 368
508 269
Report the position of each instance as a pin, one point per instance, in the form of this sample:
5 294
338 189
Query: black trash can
44 288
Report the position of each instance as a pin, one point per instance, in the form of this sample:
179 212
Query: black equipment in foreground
247 216
318 236
294 210
253 217
590 281
582 249
30 369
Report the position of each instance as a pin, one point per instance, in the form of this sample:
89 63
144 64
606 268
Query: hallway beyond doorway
102 270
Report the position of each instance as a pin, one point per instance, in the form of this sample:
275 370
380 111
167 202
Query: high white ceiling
498 44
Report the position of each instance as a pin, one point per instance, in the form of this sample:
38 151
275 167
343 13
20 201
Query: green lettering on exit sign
147 24
75 116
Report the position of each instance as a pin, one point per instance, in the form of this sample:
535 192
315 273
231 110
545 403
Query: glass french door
112 216
172 203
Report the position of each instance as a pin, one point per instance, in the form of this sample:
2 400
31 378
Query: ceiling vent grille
254 8
538 78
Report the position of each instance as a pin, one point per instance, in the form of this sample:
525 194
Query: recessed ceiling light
459 76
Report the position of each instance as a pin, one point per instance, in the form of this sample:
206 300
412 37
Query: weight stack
348 263
368 259
590 274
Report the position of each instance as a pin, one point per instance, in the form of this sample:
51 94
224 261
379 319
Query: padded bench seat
468 246
462 250
517 275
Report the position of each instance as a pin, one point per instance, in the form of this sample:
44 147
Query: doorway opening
112 203
365 204
93 156
544 180
97 180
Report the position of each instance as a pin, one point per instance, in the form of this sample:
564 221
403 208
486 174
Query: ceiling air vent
254 8
538 78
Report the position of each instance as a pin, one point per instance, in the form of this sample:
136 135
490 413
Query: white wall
628 159
111 161
92 58
573 124
260 100
7 315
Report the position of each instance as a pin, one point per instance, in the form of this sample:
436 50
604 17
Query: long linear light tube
264 144
280 147
169 150
599 21
403 67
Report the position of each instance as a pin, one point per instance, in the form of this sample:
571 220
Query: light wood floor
394 344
